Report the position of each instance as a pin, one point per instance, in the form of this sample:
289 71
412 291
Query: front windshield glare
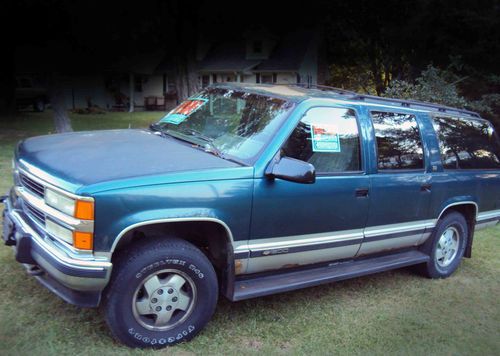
235 124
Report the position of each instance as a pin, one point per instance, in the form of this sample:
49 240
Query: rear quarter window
467 143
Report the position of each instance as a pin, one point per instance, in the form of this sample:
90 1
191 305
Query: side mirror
292 170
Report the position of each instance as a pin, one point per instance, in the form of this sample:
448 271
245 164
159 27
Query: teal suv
248 190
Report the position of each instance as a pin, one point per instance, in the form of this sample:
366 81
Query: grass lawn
395 312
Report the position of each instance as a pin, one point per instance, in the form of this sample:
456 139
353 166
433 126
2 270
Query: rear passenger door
400 186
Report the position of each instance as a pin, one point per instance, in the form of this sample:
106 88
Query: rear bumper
77 281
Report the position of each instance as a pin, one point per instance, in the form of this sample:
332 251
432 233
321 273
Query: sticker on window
325 138
181 113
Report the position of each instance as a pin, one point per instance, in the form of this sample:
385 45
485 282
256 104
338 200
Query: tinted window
328 139
398 141
467 143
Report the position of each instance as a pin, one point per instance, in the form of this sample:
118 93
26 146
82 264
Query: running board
288 281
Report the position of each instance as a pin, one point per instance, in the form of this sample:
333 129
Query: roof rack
403 102
325 88
415 104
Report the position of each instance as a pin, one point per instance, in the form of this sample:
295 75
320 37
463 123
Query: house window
257 46
269 78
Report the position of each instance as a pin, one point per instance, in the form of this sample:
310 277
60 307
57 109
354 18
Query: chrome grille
34 213
31 185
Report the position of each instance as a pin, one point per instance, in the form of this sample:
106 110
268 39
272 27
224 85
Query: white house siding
286 78
153 86
77 89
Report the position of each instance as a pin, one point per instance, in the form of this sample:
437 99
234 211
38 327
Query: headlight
81 209
60 202
59 231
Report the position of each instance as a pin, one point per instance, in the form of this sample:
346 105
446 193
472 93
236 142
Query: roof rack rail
415 103
403 102
324 88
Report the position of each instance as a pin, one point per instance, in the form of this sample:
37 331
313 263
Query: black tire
436 267
39 105
142 263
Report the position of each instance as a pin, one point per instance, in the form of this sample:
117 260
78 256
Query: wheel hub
447 247
164 299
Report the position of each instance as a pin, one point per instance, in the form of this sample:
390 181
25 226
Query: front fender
227 202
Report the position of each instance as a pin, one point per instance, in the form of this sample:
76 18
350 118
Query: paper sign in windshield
325 139
180 113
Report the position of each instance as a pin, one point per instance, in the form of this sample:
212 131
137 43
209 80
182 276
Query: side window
398 141
467 143
327 138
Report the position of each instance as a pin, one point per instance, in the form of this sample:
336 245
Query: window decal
180 113
325 138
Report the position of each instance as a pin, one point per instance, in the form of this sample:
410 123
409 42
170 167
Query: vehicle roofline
326 92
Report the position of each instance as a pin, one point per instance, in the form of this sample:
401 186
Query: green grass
395 312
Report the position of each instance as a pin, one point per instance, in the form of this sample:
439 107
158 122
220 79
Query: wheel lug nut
154 300
160 291
170 291
174 299
169 308
158 309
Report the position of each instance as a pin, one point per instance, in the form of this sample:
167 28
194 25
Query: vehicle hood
87 158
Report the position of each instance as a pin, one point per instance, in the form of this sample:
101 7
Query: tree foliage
433 85
442 86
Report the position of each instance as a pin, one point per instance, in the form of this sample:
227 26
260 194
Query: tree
442 86
433 85
62 122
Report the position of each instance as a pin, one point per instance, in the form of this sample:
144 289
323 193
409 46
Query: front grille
31 185
34 213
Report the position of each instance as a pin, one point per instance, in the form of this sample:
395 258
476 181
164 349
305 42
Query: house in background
258 57
146 81
262 58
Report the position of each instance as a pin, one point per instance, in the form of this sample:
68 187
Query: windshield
229 123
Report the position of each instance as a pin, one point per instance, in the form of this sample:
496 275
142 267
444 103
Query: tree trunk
131 105
62 122
186 42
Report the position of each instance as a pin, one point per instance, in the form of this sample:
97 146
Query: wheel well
469 211
210 237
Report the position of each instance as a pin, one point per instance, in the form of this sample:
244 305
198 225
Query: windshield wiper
185 133
209 140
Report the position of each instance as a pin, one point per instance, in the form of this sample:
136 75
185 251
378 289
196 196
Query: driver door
296 224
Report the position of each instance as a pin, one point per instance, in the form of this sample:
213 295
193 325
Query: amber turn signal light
83 240
84 210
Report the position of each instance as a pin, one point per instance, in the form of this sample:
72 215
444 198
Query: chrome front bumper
78 281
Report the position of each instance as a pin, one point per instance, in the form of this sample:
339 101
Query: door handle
426 187
361 192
